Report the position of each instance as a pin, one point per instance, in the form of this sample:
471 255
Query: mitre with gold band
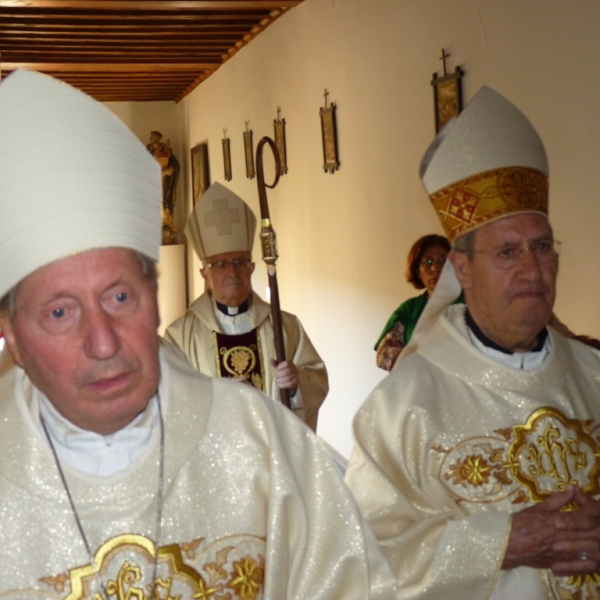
486 164
220 222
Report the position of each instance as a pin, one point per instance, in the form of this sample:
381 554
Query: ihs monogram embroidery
525 464
228 569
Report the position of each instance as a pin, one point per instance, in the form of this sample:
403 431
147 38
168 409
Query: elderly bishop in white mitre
477 460
124 472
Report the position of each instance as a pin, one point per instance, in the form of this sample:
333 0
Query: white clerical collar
234 324
91 452
232 311
523 361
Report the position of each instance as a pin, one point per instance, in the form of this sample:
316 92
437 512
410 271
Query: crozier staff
471 455
268 243
138 469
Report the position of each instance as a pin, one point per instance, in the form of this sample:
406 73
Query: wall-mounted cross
443 58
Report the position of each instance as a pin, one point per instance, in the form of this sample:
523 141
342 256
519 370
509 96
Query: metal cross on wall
443 58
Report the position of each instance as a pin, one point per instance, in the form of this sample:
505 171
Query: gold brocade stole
240 356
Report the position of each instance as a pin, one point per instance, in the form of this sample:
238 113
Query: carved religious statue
170 173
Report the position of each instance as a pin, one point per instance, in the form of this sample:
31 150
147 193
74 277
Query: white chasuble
452 443
254 508
192 333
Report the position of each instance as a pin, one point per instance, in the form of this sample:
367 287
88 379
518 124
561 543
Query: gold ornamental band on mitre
485 197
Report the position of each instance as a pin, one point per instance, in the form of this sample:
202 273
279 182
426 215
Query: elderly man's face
231 285
84 330
510 305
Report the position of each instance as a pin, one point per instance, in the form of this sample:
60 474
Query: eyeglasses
545 253
243 264
428 262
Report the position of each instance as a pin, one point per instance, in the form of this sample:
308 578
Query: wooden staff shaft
269 251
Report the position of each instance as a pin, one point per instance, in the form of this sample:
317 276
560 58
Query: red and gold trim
491 195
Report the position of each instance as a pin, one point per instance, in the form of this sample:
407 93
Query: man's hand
545 537
287 375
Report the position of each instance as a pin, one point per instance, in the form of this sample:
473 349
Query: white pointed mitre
220 222
487 163
73 178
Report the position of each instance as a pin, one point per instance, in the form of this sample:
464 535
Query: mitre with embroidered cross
486 164
220 222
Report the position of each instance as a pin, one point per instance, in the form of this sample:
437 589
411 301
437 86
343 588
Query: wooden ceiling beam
150 5
34 34
45 67
163 22
128 50
145 61
176 45
100 38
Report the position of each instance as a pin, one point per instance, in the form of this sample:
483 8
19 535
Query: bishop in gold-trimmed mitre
486 164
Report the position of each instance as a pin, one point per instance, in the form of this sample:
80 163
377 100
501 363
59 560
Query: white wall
343 238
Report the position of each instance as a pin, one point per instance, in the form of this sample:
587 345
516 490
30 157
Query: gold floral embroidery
205 593
234 568
189 548
526 464
58 582
476 470
506 433
582 587
249 578
531 461
522 498
256 381
215 569
473 470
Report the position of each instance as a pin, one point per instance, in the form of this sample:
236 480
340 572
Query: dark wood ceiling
130 50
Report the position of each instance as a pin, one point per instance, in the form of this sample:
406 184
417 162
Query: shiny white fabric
192 333
445 450
74 178
254 507
90 452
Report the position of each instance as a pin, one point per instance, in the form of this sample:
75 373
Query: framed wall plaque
329 134
279 135
200 173
447 97
249 153
226 156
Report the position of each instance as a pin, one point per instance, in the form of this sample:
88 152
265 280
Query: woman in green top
424 265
